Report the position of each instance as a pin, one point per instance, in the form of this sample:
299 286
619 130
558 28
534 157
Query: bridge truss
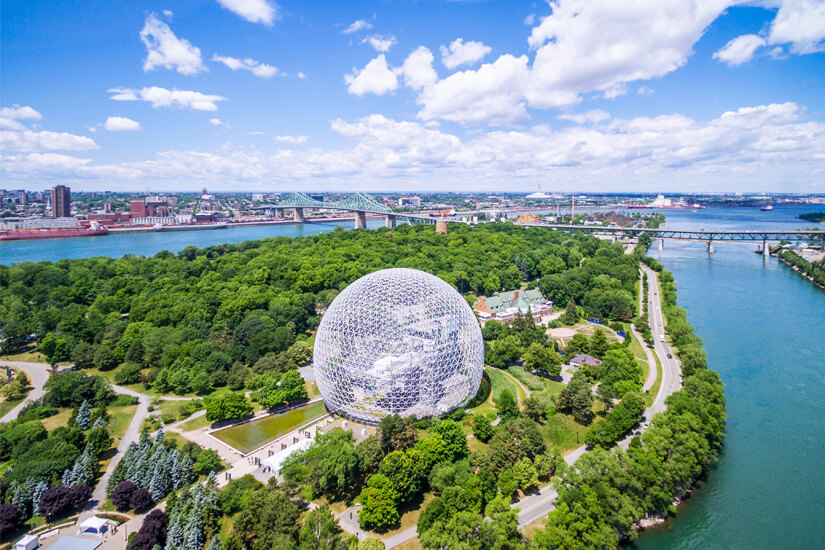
690 235
358 202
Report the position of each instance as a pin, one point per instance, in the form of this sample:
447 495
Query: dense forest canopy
203 318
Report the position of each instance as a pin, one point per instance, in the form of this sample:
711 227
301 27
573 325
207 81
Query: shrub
122 495
140 499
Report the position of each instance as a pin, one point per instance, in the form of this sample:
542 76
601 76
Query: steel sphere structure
398 341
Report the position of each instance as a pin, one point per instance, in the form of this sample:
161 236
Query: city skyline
250 95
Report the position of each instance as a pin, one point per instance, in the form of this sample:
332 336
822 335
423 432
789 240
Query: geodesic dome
398 341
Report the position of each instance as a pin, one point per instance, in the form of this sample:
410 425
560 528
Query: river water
764 331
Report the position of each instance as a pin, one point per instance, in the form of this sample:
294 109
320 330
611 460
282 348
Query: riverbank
813 271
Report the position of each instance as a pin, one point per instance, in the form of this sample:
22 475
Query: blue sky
588 95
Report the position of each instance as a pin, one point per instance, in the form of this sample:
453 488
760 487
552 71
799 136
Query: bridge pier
710 247
766 251
389 221
661 244
279 212
360 220
298 214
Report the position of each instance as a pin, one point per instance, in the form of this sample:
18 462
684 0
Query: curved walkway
38 374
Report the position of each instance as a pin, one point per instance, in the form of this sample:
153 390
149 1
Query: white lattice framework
398 341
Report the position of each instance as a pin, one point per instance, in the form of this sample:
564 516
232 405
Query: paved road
671 371
38 375
132 435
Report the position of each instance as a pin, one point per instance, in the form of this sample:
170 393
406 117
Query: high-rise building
61 202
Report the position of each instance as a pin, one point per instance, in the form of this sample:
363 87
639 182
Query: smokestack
573 209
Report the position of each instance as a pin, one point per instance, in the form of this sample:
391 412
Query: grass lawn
412 544
560 431
500 382
7 405
249 436
121 418
60 419
533 382
530 529
195 424
312 389
30 355
654 390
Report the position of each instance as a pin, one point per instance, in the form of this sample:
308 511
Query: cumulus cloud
492 95
375 78
756 148
18 112
254 11
21 139
597 45
356 26
217 122
291 139
463 53
164 49
380 43
255 67
590 117
121 124
739 50
802 23
161 97
417 69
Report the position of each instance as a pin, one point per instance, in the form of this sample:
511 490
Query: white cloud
530 19
164 49
802 23
10 124
380 43
375 78
739 50
493 94
760 148
36 141
18 112
161 97
597 45
463 53
590 117
168 14
255 67
644 90
218 122
301 75
418 69
254 11
121 124
291 139
356 26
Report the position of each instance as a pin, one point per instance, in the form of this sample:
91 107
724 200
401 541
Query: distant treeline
817 217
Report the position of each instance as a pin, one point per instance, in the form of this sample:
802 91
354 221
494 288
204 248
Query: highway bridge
709 237
360 204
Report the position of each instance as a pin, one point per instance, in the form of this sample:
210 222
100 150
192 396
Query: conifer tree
37 493
156 486
193 532
99 422
174 537
83 420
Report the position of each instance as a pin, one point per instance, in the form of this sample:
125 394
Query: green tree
526 475
55 348
577 399
506 405
105 358
269 520
599 343
534 409
378 504
571 314
454 437
231 405
83 355
320 531
483 428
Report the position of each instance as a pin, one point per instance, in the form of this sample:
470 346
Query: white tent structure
273 463
93 526
29 542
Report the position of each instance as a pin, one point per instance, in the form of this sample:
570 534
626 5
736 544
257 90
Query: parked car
670 356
